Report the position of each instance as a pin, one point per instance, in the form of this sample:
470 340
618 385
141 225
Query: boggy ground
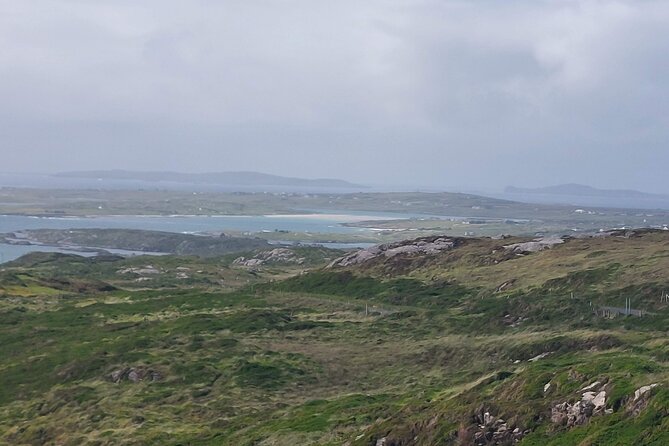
409 349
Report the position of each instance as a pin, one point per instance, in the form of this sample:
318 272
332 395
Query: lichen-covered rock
117 375
591 386
643 390
492 430
535 246
570 415
135 374
640 400
146 270
277 255
421 246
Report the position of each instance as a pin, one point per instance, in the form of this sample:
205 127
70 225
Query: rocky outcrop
640 400
538 357
592 403
505 286
135 375
513 321
250 263
641 391
535 246
492 430
420 246
277 255
591 386
142 271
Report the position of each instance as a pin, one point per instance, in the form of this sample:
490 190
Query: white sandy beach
340 218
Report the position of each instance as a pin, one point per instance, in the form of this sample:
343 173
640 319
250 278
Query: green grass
334 356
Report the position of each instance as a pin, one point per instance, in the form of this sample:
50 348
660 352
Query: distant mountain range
218 178
582 190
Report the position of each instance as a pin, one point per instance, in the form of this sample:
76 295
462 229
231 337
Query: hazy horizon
449 95
549 194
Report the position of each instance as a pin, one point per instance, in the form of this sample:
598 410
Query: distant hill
582 190
219 178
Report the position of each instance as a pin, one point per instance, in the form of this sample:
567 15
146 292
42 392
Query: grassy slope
301 361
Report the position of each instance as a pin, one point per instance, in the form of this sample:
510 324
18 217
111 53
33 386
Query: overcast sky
455 94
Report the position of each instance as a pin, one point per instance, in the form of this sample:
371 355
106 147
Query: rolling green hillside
431 341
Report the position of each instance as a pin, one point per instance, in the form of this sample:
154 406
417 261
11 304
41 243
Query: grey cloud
453 93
